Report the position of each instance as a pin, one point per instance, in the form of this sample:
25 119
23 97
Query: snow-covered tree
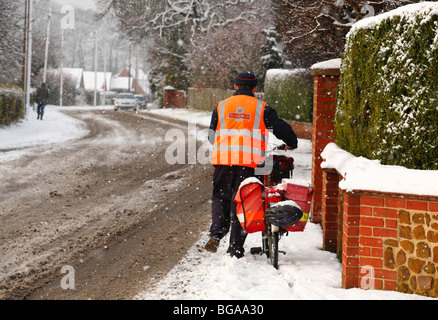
149 16
177 74
314 30
199 22
272 53
11 41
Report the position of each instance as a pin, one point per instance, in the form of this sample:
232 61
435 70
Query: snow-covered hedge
11 105
290 93
388 93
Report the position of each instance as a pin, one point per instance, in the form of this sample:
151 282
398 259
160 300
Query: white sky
83 4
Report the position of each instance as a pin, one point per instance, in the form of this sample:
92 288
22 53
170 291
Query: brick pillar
350 240
378 223
326 78
173 98
330 209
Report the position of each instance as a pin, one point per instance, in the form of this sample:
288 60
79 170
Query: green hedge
290 93
11 105
388 93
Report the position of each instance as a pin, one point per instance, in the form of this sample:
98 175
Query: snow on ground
30 132
305 272
200 117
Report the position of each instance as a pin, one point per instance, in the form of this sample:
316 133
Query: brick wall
174 98
389 241
324 107
386 241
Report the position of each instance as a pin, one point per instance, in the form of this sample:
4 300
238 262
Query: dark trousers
40 109
226 182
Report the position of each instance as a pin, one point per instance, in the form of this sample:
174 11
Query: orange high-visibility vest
241 134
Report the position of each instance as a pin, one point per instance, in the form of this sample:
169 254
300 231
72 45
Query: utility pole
61 86
29 53
129 71
136 72
26 26
47 46
95 68
104 77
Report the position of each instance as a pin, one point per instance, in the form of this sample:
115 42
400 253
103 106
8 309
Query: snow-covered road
305 272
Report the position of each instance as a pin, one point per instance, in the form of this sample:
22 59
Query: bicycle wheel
265 242
273 248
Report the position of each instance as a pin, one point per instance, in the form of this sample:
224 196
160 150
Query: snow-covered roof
75 74
132 71
121 83
89 77
360 173
120 80
141 75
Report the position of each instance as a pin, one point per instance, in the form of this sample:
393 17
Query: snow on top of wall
360 173
329 64
11 91
409 12
284 73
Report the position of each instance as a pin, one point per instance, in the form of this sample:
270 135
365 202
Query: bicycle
275 207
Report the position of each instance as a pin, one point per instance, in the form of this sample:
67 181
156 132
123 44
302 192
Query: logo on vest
239 115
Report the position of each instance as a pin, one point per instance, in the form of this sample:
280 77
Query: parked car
125 101
141 100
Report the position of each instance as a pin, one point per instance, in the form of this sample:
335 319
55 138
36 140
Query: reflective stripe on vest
241 134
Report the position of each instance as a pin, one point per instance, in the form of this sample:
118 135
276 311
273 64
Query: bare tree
218 58
150 16
314 30
200 24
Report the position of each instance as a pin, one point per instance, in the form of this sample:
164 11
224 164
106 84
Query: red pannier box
249 200
302 195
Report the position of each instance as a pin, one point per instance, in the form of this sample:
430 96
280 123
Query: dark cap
246 79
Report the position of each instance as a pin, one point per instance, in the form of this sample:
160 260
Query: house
121 84
89 83
130 79
75 74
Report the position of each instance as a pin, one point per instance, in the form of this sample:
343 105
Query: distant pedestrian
41 98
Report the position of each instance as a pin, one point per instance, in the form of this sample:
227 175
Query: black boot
212 244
